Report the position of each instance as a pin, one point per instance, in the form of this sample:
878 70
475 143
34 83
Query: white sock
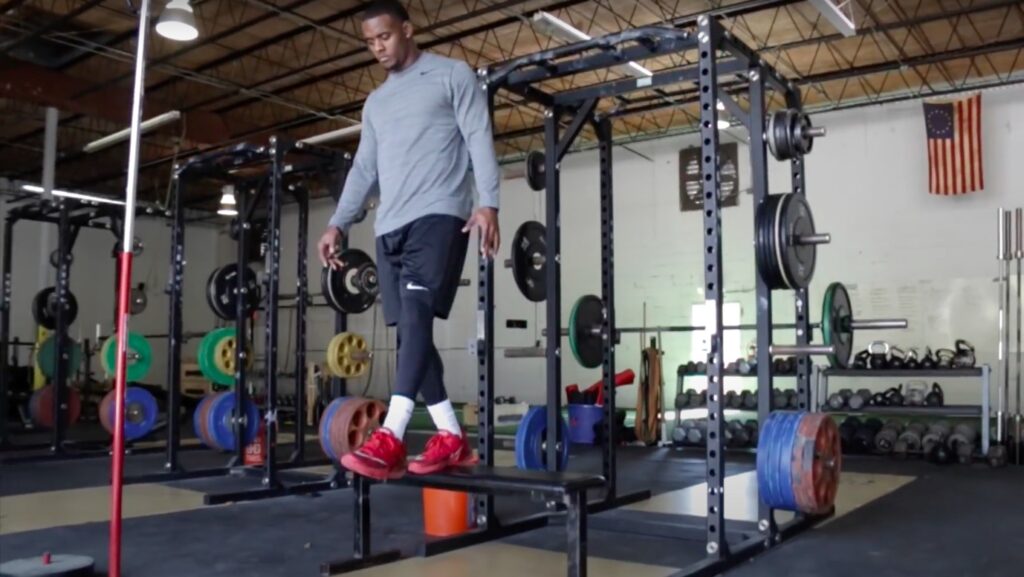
444 417
399 415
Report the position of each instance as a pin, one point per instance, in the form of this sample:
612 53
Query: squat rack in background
719 54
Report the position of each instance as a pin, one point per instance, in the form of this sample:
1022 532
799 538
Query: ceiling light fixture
122 135
720 105
339 134
178 22
75 195
228 196
555 27
723 124
227 211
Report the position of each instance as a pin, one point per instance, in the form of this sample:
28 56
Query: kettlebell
910 360
879 399
879 355
860 360
964 358
927 361
940 455
944 358
916 392
936 398
894 397
896 358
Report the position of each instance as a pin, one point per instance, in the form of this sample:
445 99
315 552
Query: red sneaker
443 450
381 457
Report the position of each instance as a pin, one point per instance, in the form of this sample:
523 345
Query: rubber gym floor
893 519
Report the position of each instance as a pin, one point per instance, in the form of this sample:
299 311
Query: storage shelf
945 411
975 372
734 374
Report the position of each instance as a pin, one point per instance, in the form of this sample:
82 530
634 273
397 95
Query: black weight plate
529 242
780 124
221 287
764 238
795 262
587 345
804 142
835 324
535 169
44 308
352 289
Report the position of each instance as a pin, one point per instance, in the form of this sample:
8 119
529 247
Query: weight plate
793 219
199 421
531 441
48 565
836 312
535 162
137 300
353 288
44 308
40 406
529 245
216 356
140 412
763 239
55 258
221 290
798 461
219 421
140 356
340 352
351 423
325 427
46 356
587 346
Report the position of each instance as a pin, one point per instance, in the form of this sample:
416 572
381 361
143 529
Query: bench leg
362 516
576 533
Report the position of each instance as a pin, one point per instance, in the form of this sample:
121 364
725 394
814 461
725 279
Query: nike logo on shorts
415 287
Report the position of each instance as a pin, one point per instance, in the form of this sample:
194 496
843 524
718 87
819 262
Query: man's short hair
386 8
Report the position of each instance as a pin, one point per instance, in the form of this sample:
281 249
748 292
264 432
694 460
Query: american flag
954 146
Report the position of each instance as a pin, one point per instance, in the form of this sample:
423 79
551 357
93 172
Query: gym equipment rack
720 54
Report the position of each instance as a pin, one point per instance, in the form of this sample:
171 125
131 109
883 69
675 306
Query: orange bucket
445 513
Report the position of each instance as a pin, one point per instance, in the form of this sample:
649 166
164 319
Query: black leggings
420 369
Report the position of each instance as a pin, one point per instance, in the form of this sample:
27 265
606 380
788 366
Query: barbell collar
816 131
877 324
820 238
794 350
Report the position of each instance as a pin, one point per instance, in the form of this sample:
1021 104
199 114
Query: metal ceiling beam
55 23
30 83
735 10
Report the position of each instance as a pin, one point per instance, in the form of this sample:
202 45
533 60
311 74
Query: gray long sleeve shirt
423 129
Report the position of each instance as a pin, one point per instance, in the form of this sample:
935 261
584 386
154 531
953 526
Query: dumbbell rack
982 411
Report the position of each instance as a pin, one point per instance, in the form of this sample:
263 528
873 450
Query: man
422 130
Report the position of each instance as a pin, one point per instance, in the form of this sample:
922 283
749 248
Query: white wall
92 282
900 251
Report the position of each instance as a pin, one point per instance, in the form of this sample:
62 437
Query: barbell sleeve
1019 214
820 238
877 324
816 132
793 350
1001 237
361 356
508 263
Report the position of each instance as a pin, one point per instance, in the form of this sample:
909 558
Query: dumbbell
679 434
748 400
792 399
685 399
745 367
687 369
738 434
702 399
735 401
701 367
732 367
752 431
937 433
887 436
910 439
864 438
962 440
847 430
837 401
857 401
695 434
779 400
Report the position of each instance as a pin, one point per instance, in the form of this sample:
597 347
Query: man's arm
361 179
474 120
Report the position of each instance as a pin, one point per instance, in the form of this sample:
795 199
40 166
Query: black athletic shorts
427 255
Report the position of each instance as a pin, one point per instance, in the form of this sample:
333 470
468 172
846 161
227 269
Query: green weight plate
46 356
586 344
140 356
836 312
207 356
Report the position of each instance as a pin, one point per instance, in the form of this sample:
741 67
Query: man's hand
485 220
327 248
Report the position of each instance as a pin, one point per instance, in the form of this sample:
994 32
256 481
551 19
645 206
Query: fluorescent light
723 124
338 134
178 22
557 28
226 211
122 135
228 198
66 194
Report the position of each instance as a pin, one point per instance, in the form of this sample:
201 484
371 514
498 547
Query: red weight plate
41 407
817 461
201 419
106 412
353 423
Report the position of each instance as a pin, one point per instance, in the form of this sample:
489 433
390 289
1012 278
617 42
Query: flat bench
570 489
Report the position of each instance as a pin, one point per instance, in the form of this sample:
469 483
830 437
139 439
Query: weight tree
719 54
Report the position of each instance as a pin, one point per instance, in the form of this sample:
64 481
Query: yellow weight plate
342 353
224 356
